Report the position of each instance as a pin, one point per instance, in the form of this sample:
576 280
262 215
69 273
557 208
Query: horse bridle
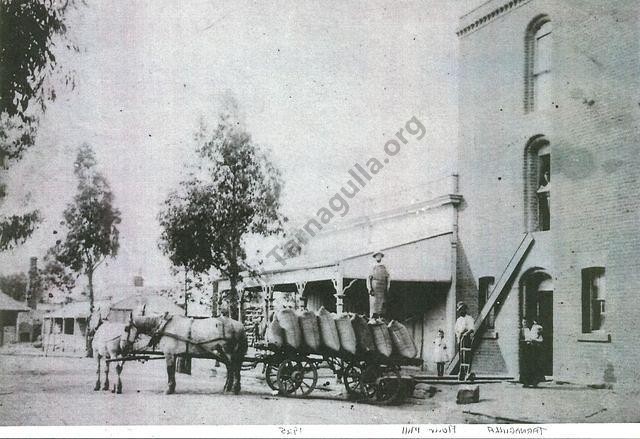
128 330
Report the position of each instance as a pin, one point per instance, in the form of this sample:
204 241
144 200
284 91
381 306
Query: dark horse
222 339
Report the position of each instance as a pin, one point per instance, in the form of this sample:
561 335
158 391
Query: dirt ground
35 390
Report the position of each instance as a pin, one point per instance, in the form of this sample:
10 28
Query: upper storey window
538 90
537 184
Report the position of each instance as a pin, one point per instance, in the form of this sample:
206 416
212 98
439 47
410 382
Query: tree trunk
183 364
233 298
214 299
89 339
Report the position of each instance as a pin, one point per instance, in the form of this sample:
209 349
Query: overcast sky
320 84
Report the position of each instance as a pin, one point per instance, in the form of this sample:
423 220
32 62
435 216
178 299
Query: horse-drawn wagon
369 367
366 356
368 376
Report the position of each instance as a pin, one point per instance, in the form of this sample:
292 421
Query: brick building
549 92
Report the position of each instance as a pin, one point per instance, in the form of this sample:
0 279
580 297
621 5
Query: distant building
65 329
9 310
154 304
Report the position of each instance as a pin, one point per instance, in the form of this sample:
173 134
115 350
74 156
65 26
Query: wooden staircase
499 291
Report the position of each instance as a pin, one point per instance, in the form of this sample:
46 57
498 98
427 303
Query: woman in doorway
530 371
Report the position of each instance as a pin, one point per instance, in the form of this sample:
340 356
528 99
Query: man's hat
378 253
460 306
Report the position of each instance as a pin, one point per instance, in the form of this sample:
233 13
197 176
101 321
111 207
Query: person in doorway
464 336
530 371
378 284
440 353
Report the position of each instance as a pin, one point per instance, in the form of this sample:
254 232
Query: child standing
441 355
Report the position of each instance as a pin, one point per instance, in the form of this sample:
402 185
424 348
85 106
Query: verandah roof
423 260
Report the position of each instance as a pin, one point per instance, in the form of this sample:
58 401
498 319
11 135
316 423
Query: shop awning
423 260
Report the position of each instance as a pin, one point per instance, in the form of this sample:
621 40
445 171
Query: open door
537 304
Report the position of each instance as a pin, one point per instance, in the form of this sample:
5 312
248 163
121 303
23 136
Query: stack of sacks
328 330
364 338
275 334
401 339
381 337
289 322
310 330
346 334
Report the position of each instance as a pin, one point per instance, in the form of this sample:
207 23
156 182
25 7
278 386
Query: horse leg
171 373
106 374
237 359
229 381
97 386
237 367
231 370
119 368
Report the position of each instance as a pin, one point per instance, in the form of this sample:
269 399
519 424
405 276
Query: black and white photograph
320 218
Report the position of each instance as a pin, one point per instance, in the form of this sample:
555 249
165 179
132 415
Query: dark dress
530 370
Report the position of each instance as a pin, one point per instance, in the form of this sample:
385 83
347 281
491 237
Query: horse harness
159 332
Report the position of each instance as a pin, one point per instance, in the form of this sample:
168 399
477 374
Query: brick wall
593 133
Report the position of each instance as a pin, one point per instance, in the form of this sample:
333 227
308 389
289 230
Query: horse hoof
97 387
170 391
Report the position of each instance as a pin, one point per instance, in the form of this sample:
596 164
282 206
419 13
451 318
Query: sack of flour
275 334
364 338
401 340
291 326
381 337
328 331
346 334
310 330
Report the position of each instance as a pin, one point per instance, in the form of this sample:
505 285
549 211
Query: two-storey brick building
548 164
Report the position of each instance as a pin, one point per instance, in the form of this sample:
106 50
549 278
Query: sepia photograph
319 218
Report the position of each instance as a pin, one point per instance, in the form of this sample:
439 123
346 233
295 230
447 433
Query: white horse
221 339
109 342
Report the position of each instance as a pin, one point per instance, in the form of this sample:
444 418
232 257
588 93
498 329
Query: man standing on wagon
378 284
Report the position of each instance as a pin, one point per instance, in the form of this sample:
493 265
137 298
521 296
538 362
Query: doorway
537 303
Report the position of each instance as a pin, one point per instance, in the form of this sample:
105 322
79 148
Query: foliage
15 229
233 193
15 285
29 31
56 279
91 221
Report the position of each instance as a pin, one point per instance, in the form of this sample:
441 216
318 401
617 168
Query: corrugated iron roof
154 303
8 303
77 309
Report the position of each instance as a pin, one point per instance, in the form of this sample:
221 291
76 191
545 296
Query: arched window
537 184
538 90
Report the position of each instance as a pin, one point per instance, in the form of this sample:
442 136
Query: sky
321 85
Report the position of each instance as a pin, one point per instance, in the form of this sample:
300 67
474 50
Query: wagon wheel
368 382
271 375
351 376
389 386
297 378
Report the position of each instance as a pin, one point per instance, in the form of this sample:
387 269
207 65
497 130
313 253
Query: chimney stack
33 290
